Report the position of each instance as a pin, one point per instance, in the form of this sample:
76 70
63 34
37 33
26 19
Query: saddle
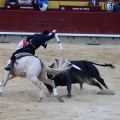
19 55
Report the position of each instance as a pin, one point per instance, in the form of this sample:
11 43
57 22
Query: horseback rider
34 42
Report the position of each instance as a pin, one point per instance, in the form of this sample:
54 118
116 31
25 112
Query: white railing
64 34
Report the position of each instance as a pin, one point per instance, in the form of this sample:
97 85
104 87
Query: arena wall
62 21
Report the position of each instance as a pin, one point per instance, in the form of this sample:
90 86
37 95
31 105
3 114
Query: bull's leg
36 81
49 87
101 81
81 86
80 81
69 85
91 81
8 76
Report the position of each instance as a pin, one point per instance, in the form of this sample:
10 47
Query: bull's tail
54 71
105 65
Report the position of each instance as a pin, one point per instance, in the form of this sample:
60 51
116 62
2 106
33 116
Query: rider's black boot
10 66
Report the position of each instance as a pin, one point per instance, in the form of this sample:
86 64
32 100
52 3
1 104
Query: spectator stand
116 7
63 5
2 4
21 5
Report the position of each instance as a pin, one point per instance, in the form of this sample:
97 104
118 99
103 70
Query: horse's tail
105 65
54 71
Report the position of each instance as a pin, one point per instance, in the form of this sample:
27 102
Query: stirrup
8 68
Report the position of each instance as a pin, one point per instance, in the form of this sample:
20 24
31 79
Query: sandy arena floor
19 100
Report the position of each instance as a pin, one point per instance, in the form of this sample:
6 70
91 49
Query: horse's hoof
1 89
39 100
50 92
0 83
60 98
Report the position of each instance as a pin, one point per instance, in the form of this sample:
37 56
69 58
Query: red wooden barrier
63 22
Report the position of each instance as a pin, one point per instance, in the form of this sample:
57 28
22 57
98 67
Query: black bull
88 74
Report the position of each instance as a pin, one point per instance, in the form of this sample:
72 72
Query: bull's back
87 67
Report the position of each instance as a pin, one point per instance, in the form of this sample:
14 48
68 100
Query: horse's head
21 44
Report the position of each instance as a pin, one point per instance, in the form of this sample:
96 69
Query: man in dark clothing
34 42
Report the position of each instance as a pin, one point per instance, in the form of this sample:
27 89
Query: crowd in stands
42 4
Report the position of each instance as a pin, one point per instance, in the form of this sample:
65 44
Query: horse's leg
51 83
8 76
36 81
43 77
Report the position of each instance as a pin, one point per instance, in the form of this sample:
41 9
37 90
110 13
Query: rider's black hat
45 32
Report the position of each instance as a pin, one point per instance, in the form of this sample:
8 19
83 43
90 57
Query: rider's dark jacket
35 41
39 39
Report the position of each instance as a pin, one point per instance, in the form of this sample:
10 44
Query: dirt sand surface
19 100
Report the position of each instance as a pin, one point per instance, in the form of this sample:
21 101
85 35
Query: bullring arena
19 100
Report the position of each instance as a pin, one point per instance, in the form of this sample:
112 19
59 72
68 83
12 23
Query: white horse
35 70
